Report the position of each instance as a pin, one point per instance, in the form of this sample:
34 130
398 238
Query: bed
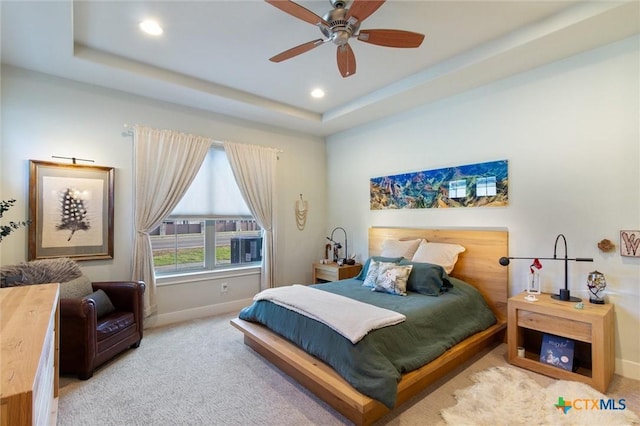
477 266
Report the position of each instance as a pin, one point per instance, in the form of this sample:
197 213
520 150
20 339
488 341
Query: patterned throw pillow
373 272
393 279
365 268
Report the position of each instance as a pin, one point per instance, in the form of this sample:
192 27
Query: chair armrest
77 308
78 344
78 322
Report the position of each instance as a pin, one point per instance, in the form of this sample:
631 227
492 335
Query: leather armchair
87 341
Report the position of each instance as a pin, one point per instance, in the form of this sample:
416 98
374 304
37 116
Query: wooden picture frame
71 211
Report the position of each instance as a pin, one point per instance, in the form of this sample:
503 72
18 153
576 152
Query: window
458 188
486 186
195 244
211 227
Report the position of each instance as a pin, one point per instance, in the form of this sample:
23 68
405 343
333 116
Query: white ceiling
214 55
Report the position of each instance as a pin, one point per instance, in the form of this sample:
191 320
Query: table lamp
564 294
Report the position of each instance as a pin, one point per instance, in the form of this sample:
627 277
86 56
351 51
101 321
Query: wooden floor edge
330 387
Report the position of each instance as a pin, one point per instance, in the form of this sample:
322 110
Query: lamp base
565 296
570 299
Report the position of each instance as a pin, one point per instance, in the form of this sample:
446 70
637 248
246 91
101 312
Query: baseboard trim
628 369
160 320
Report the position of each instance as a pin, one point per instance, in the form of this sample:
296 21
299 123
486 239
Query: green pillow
363 272
103 303
427 278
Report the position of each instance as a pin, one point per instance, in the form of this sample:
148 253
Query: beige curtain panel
165 164
254 168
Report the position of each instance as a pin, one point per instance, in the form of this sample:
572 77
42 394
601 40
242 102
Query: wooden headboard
478 264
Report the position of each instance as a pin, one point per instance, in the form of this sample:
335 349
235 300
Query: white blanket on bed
349 317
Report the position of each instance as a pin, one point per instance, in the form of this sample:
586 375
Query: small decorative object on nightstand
596 283
533 281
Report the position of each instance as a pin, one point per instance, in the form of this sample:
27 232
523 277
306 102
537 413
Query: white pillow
443 254
400 248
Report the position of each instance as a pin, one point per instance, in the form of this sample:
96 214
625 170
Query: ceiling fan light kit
341 24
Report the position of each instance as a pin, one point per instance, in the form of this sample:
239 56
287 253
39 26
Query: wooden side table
332 272
592 329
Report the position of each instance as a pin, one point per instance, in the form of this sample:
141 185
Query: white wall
570 131
44 116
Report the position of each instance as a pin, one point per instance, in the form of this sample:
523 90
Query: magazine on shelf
557 351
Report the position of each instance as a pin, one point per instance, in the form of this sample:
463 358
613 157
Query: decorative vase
596 283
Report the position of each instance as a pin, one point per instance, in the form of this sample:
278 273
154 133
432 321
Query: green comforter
375 364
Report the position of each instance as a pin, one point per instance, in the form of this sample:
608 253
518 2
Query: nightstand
592 329
332 272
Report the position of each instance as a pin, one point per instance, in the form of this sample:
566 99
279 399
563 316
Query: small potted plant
5 230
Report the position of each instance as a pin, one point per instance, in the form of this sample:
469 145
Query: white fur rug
507 396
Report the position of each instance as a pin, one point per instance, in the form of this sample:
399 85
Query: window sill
199 276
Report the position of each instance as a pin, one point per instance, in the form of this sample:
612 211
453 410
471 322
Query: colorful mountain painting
472 185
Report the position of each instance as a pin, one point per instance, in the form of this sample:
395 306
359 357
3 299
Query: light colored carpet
507 396
201 373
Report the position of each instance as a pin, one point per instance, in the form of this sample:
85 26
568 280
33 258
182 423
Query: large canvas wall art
471 185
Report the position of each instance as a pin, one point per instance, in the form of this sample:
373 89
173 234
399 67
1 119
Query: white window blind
214 191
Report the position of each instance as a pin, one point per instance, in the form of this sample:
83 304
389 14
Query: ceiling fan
341 24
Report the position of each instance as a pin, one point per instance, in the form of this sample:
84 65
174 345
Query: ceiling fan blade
362 9
391 38
295 51
346 60
294 9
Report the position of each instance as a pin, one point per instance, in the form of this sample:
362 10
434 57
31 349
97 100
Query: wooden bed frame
478 265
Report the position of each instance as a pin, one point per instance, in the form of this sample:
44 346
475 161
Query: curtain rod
129 131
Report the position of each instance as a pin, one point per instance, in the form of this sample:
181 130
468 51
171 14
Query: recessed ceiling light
317 93
151 27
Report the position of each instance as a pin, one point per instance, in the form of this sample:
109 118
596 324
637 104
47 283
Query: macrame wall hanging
301 208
